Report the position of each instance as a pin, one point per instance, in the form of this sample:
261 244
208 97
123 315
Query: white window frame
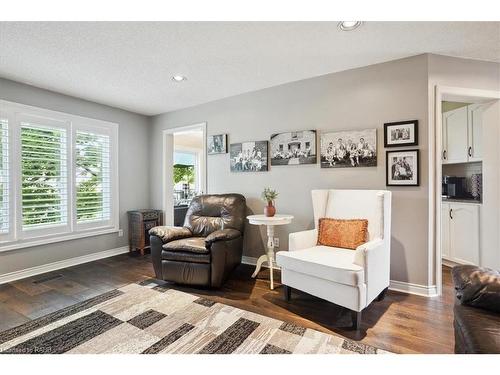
5 237
19 238
112 132
49 230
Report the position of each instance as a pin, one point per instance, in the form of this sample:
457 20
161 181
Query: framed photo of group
249 156
402 168
400 134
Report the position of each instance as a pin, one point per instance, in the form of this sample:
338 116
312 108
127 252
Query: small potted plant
269 195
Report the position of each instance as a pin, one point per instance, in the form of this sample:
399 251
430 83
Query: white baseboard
398 286
28 272
419 290
251 261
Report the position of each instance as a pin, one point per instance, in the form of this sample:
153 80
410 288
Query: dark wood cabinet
139 224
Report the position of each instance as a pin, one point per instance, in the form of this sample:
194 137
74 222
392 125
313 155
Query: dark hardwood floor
400 323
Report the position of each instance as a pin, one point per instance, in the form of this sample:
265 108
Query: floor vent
47 278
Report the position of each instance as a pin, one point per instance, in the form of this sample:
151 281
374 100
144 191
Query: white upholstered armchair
349 278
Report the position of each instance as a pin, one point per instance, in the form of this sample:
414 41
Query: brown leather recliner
207 248
476 310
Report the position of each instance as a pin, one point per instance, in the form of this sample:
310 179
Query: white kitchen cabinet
462 134
455 142
475 132
460 232
445 230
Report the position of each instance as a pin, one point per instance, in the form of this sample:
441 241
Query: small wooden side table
139 224
269 222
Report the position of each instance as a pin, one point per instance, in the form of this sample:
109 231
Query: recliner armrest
168 233
302 240
222 235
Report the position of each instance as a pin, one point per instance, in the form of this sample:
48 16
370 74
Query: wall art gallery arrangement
402 167
338 149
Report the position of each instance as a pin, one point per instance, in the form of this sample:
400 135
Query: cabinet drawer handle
451 213
470 151
444 154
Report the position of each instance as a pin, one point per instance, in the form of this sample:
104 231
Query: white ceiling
191 139
129 64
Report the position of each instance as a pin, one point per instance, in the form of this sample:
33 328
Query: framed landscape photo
402 133
402 168
217 144
249 156
349 149
294 148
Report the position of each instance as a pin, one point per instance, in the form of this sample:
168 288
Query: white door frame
443 93
167 190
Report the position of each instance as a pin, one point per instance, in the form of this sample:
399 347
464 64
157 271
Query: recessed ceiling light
349 25
179 78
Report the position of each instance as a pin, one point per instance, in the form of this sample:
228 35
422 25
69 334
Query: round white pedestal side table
269 222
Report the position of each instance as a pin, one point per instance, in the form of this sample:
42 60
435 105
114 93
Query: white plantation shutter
93 177
44 172
58 176
4 177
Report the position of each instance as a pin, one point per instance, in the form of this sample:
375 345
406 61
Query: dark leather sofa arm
222 235
167 234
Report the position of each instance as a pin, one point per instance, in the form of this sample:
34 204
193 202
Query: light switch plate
276 242
120 233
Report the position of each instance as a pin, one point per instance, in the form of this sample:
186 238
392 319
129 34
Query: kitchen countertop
456 200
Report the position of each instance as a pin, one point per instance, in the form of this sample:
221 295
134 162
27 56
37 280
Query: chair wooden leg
287 292
356 319
382 294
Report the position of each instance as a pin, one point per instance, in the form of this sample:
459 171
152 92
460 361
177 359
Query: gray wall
450 71
133 173
354 99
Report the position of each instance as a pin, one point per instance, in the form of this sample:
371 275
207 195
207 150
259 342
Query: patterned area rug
149 318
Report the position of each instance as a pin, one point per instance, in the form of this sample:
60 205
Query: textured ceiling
129 64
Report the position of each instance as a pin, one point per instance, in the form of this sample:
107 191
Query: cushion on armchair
346 234
190 245
332 264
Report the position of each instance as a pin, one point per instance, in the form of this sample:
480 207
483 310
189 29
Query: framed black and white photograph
353 148
217 144
249 156
403 133
402 168
294 148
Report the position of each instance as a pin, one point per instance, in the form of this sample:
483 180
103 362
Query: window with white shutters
93 177
44 171
4 177
58 176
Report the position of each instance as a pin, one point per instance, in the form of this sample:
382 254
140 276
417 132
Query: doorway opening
466 193
184 167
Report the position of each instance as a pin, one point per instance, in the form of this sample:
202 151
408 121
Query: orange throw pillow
348 234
